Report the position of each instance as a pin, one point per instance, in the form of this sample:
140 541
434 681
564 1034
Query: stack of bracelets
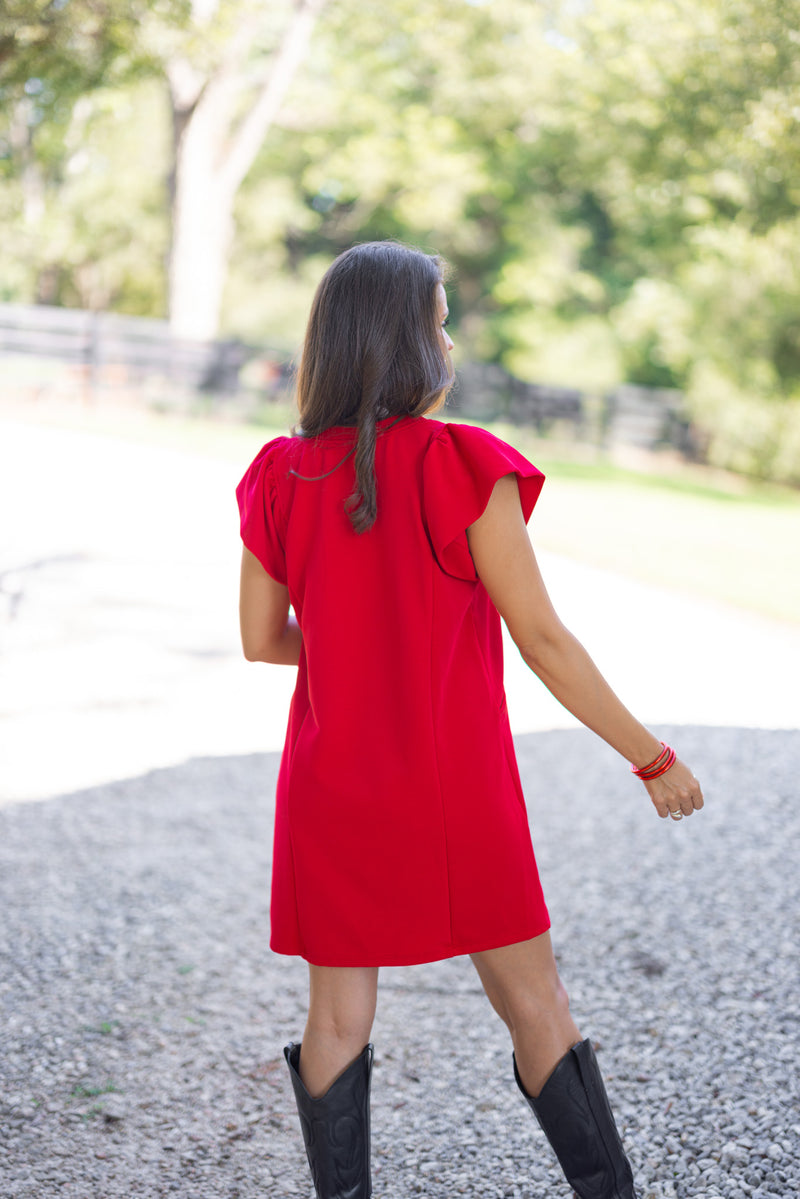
658 766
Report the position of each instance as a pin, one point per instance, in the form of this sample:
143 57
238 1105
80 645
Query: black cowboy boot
336 1128
575 1116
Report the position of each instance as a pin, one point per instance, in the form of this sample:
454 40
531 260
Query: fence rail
645 417
98 341
108 347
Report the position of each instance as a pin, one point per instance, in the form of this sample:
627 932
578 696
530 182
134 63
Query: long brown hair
373 349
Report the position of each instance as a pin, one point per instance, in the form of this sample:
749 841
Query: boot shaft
336 1128
575 1116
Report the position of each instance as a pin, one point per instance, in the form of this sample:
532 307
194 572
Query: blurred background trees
616 185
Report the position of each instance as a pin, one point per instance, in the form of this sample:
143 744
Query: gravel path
143 1015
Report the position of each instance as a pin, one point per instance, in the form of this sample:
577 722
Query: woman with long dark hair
401 835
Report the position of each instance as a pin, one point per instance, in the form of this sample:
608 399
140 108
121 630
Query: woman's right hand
677 790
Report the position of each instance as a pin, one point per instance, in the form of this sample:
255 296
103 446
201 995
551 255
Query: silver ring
677 815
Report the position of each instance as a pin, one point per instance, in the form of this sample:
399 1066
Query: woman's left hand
675 793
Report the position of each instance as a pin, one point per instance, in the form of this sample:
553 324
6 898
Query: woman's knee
347 1027
529 1007
523 984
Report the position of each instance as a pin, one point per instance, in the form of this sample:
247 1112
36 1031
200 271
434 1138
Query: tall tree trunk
213 153
202 222
30 171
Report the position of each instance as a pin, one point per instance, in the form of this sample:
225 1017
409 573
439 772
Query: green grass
703 532
81 1092
106 1028
742 552
699 531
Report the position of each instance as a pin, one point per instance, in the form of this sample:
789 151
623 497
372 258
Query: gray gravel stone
142 1016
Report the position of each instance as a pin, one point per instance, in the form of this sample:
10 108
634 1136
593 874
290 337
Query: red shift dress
401 834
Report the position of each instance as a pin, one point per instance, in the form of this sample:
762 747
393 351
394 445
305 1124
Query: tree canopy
616 185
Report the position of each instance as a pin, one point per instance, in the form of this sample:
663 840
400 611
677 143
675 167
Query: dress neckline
346 432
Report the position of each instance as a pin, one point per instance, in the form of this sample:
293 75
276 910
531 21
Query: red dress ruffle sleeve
460 470
259 511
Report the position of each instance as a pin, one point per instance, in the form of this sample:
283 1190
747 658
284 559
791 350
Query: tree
227 64
615 184
223 105
64 66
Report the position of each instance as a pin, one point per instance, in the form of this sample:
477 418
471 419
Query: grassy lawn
710 535
739 551
697 531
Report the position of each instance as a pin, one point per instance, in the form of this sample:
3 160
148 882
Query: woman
400 833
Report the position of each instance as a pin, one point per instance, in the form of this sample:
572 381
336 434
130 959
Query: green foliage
758 439
78 130
67 46
90 229
616 186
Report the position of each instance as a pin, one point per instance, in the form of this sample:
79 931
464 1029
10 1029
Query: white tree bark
213 153
30 173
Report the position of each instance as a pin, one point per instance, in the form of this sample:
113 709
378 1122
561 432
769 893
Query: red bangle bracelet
657 771
660 765
662 769
656 762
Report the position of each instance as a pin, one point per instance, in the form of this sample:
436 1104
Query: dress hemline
440 955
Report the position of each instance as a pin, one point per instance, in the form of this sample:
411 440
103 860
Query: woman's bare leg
341 1009
524 988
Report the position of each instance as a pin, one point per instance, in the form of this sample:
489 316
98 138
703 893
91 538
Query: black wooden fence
103 342
126 349
646 417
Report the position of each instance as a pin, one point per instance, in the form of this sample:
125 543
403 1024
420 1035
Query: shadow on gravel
143 1016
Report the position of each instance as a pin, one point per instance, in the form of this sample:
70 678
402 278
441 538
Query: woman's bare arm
507 567
269 633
